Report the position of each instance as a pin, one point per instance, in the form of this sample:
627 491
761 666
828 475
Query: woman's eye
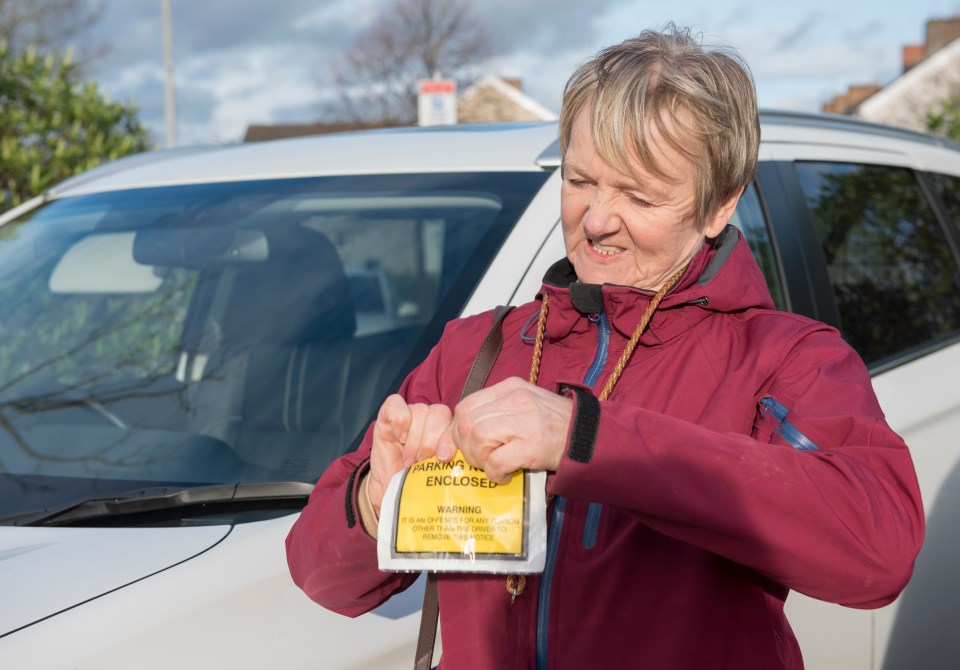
578 183
637 200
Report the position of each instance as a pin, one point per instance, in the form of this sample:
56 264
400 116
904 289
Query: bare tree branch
49 24
414 39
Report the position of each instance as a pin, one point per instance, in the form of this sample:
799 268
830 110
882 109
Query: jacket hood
722 277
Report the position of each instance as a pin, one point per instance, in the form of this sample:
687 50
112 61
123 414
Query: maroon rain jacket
687 505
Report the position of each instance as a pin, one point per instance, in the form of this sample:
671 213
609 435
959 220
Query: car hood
44 571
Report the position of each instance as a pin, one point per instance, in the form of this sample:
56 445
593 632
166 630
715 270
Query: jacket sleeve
330 556
841 523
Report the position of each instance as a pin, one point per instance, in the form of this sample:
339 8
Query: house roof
491 96
278 131
906 100
490 99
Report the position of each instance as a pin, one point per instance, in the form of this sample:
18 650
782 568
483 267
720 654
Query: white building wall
906 100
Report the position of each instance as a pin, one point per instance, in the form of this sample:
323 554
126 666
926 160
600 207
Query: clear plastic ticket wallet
449 517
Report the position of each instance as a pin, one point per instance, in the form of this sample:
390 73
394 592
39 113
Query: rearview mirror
199 248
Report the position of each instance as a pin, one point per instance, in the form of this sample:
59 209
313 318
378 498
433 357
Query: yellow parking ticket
452 517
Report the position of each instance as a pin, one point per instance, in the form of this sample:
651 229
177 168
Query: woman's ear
717 221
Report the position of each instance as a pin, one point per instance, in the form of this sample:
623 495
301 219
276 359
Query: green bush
53 124
944 118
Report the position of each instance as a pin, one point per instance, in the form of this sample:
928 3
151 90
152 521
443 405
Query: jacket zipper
784 427
559 505
592 526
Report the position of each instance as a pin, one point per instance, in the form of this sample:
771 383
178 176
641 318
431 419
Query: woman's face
630 231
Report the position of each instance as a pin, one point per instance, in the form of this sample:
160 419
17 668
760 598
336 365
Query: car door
790 232
876 232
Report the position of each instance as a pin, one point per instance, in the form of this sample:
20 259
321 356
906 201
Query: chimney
912 54
940 32
847 103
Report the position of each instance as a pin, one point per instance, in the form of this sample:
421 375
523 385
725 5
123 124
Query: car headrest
299 295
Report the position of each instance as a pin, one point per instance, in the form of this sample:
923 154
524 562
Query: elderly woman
684 504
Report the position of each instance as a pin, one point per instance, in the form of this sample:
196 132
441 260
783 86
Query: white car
180 359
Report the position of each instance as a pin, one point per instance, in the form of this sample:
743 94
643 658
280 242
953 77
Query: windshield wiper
153 502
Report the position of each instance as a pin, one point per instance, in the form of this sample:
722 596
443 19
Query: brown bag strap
476 378
428 624
487 356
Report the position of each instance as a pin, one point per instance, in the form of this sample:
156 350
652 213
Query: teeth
605 251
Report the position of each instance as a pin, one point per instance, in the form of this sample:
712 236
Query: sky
240 62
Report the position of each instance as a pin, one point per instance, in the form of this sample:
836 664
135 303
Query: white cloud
355 12
248 86
246 61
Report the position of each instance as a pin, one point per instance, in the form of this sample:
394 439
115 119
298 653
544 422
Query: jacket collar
723 276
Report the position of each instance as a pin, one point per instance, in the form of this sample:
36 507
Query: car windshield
215 333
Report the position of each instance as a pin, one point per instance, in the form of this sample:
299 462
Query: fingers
509 426
501 429
393 421
429 423
402 435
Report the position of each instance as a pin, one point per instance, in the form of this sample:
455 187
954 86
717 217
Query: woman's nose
601 216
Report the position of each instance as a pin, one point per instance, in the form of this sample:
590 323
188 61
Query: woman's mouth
604 250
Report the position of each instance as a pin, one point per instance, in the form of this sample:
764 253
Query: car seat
274 389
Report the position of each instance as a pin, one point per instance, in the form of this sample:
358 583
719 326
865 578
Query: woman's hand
501 429
402 435
509 426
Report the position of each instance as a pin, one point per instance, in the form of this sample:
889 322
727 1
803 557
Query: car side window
749 218
948 190
894 275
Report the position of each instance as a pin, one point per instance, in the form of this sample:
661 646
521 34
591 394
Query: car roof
460 148
463 148
779 125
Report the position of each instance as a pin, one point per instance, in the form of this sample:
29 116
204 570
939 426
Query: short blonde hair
701 101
